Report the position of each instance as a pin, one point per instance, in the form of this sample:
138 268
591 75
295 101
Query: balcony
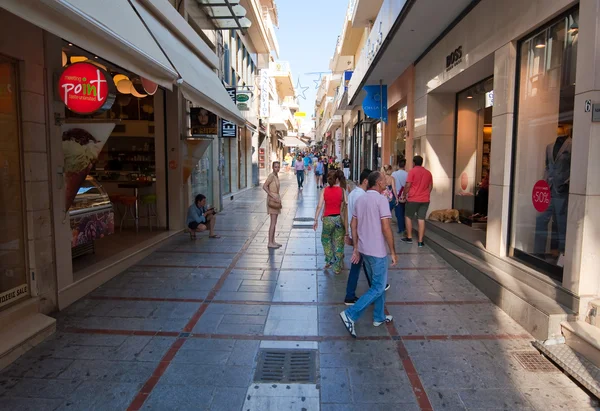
258 31
349 40
365 12
281 117
282 74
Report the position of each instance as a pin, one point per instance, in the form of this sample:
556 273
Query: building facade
499 99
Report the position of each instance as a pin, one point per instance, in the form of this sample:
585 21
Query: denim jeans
377 270
300 177
400 217
557 211
353 279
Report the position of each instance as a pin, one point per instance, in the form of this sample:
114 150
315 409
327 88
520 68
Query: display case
91 217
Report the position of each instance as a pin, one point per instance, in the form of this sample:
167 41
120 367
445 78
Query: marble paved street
182 330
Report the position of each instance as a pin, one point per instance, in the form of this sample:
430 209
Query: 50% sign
541 196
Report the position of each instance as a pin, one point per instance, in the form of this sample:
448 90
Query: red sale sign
86 88
541 196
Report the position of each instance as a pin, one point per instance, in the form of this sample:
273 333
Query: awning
113 32
199 83
294 142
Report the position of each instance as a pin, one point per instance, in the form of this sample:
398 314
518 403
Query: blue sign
375 103
347 77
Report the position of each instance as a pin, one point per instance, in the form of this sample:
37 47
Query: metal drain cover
534 362
286 366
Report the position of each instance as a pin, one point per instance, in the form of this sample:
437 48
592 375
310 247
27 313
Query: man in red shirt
417 194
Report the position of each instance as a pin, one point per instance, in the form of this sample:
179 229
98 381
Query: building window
542 168
227 63
226 162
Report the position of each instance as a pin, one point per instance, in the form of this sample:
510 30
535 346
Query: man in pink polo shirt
371 230
417 194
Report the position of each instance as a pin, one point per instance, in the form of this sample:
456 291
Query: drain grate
534 362
286 366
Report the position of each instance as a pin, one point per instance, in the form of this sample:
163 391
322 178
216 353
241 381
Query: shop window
226 165
242 147
542 163
13 268
472 152
202 177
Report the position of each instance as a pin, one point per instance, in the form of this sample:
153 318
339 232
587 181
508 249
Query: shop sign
243 100
375 103
596 113
16 293
347 78
203 122
264 93
229 128
541 196
454 59
86 88
489 99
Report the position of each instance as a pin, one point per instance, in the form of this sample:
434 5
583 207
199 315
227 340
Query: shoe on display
388 319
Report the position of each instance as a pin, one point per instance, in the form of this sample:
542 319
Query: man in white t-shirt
400 177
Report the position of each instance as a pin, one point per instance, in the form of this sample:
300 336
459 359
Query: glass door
13 266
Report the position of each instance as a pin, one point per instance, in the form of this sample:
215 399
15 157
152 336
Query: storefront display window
13 272
473 151
226 162
202 177
401 133
547 62
242 158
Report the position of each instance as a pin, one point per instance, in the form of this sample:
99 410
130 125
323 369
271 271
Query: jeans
377 270
353 279
300 177
558 213
400 217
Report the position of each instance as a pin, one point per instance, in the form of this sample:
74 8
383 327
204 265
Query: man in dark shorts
417 194
199 218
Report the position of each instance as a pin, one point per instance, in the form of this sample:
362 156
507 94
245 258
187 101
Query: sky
307 36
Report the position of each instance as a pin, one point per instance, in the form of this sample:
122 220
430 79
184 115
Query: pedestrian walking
307 163
371 231
274 205
417 194
332 202
390 191
299 168
346 167
400 176
319 169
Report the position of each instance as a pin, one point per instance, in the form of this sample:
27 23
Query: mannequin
558 175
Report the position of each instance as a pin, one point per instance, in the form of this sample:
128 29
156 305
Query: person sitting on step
200 218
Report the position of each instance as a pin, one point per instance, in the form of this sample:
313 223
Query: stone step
573 364
24 335
538 313
583 338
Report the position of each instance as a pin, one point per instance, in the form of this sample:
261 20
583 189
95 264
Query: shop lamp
469 95
573 28
540 43
77 59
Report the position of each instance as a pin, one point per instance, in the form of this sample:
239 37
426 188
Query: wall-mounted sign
595 113
375 103
203 123
86 88
347 78
489 99
228 128
454 59
264 93
300 114
243 100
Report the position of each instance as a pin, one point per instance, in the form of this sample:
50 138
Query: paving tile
40 388
31 404
493 399
335 385
102 395
179 397
109 371
228 398
292 320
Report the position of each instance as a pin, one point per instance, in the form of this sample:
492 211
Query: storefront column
582 257
390 129
410 120
505 63
438 147
175 112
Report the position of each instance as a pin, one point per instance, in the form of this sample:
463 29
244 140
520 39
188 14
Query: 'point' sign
86 88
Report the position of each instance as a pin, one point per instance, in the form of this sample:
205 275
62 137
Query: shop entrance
472 153
115 169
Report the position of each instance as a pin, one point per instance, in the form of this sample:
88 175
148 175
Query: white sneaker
348 323
388 319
